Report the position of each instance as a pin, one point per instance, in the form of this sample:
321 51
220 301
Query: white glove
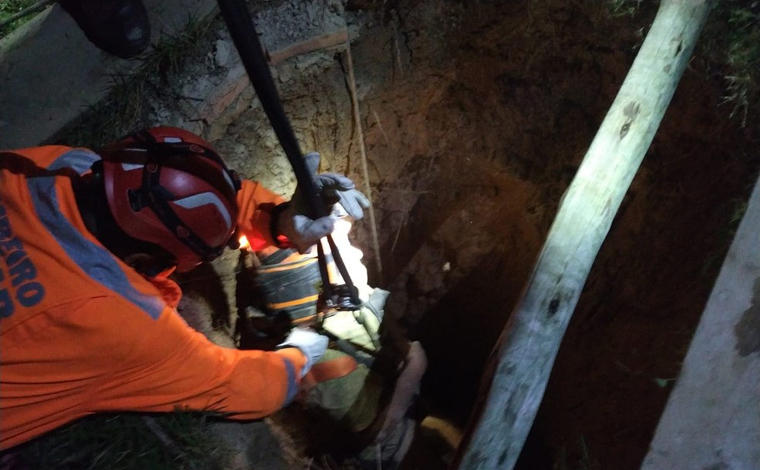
333 189
310 343
303 232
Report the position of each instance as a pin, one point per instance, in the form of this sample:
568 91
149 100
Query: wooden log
523 358
323 41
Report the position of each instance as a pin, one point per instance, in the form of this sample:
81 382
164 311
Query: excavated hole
475 119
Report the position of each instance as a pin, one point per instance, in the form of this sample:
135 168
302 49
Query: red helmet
166 186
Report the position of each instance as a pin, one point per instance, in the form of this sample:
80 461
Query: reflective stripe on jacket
81 332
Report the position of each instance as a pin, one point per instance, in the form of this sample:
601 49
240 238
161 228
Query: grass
10 7
730 44
126 107
734 42
181 440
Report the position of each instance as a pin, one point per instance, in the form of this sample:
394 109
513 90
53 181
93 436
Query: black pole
240 24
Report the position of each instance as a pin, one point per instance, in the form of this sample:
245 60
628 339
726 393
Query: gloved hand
304 232
310 343
333 188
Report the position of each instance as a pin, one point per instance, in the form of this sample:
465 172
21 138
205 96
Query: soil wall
476 116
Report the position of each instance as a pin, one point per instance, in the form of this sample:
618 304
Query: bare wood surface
525 353
323 41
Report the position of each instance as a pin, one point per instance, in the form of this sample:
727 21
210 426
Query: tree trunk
520 366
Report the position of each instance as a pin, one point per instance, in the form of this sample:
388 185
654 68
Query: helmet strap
147 141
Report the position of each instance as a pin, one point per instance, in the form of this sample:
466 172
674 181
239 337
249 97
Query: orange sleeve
172 365
255 203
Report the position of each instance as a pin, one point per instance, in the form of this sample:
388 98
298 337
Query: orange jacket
81 332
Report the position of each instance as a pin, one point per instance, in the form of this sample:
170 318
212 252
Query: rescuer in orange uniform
87 314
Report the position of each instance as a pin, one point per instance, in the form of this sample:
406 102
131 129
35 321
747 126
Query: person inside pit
87 310
361 399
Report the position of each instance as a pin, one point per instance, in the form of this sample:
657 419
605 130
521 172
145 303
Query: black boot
119 27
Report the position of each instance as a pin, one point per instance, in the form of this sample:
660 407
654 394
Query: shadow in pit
429 450
459 332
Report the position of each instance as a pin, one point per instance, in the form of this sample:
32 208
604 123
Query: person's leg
119 27
395 436
407 387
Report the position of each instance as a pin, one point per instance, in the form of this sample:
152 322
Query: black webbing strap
146 141
246 40
322 261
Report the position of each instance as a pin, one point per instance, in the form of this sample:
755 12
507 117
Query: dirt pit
476 116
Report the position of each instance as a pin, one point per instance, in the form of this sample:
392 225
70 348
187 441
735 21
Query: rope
365 170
